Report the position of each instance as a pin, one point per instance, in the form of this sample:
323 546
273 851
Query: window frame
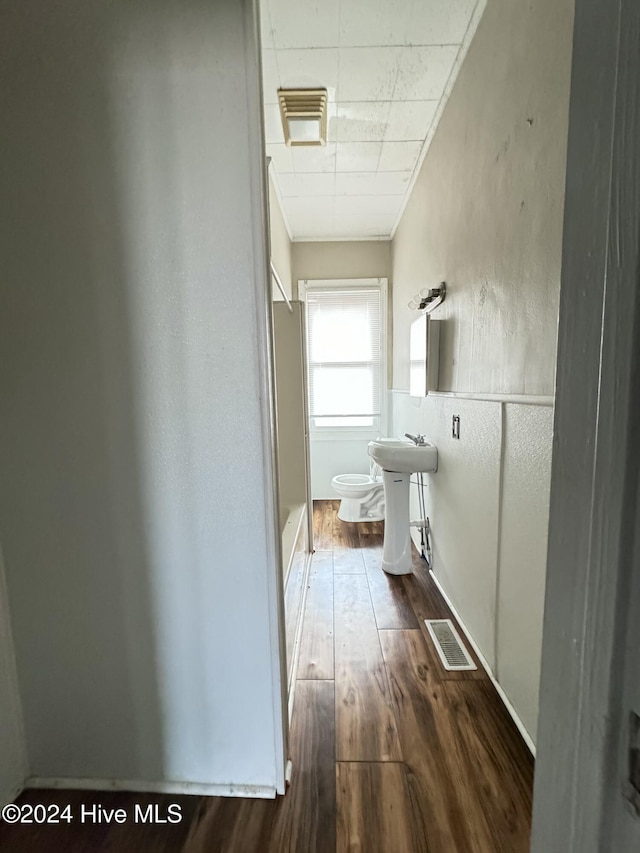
346 433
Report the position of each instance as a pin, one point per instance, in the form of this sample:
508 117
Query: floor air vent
447 641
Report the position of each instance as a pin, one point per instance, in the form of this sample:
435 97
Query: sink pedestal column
396 552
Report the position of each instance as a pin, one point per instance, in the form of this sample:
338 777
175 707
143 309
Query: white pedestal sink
398 460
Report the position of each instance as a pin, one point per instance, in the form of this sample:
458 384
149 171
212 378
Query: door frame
593 546
264 343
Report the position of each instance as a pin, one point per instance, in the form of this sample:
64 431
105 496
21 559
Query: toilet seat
354 485
362 497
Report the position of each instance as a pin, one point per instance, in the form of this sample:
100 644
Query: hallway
390 752
425 759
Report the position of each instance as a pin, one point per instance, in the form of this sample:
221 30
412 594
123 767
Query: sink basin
404 457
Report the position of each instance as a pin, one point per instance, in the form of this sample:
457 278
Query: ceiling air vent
304 116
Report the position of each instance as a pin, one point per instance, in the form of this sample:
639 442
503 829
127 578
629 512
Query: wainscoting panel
488 505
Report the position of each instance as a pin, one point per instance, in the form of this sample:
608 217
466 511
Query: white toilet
362 496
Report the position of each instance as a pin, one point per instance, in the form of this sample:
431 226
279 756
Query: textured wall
462 503
488 504
523 554
485 214
135 525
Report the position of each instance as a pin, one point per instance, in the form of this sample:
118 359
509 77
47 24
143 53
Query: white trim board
583 788
296 643
290 535
503 696
349 283
332 239
260 240
519 399
265 792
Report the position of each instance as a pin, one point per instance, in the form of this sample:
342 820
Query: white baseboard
503 696
265 792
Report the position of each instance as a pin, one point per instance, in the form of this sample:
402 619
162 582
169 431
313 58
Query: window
345 354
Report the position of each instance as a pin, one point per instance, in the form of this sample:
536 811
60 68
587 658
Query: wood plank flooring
316 643
374 814
426 760
365 722
390 753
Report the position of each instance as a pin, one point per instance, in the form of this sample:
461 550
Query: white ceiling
388 66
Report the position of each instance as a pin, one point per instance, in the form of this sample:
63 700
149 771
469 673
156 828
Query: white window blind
345 356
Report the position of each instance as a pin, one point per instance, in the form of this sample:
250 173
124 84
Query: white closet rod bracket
274 273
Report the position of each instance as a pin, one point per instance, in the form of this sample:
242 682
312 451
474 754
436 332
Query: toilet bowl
362 497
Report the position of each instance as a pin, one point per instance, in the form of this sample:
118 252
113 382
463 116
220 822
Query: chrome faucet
418 439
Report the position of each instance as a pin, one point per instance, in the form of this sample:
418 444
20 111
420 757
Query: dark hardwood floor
391 753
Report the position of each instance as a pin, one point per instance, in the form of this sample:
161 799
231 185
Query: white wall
132 344
488 505
12 748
